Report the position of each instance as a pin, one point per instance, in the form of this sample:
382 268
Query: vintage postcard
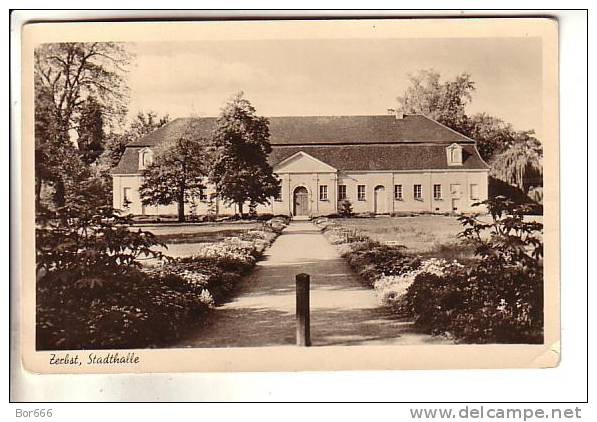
289 195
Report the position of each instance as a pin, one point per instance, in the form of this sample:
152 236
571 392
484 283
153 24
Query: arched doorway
379 200
301 201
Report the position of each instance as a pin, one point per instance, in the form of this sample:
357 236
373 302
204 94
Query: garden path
343 312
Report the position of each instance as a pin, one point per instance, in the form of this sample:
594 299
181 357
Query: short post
303 329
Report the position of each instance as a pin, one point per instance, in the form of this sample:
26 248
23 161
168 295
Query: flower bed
146 307
496 298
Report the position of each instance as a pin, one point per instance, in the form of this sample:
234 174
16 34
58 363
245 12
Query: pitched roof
202 126
303 130
383 157
344 142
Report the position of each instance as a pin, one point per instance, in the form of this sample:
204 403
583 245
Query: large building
381 164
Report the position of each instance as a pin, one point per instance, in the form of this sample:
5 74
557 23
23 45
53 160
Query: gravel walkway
343 312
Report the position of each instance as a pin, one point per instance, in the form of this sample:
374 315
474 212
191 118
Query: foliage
86 239
493 135
508 239
57 162
441 101
142 124
128 310
391 289
370 259
240 171
73 72
91 131
135 308
521 162
76 86
515 156
178 172
497 297
500 297
345 208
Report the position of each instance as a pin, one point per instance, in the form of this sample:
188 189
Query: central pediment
301 162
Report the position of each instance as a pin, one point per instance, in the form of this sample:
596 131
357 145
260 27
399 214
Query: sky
333 77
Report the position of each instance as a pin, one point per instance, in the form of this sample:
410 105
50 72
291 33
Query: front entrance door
379 197
301 201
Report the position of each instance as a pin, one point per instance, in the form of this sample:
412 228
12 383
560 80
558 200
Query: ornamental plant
89 239
498 299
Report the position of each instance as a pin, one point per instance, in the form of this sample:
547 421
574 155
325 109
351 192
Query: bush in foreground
133 307
497 300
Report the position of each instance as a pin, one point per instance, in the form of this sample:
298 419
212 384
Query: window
437 192
474 191
341 192
126 197
278 197
418 192
454 152
398 192
361 192
323 192
145 158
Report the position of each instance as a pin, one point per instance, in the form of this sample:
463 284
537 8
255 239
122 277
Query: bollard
303 330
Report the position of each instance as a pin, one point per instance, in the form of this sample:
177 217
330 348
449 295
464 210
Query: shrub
345 208
391 289
90 240
278 223
127 307
498 306
126 311
372 260
500 297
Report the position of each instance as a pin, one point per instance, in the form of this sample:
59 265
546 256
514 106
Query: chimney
397 113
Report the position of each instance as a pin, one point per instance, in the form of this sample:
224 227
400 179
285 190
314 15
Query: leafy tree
519 163
66 76
145 123
178 171
493 135
91 131
142 124
441 101
241 172
515 156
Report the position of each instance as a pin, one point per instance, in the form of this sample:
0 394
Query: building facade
382 164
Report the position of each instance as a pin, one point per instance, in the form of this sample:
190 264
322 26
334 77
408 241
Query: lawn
419 233
426 235
199 232
432 236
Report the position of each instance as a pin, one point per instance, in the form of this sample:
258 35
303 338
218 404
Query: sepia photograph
345 192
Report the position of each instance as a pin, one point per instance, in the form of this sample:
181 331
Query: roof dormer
145 158
454 155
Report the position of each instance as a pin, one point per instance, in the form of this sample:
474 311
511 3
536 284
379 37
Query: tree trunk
240 209
59 193
181 218
38 184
